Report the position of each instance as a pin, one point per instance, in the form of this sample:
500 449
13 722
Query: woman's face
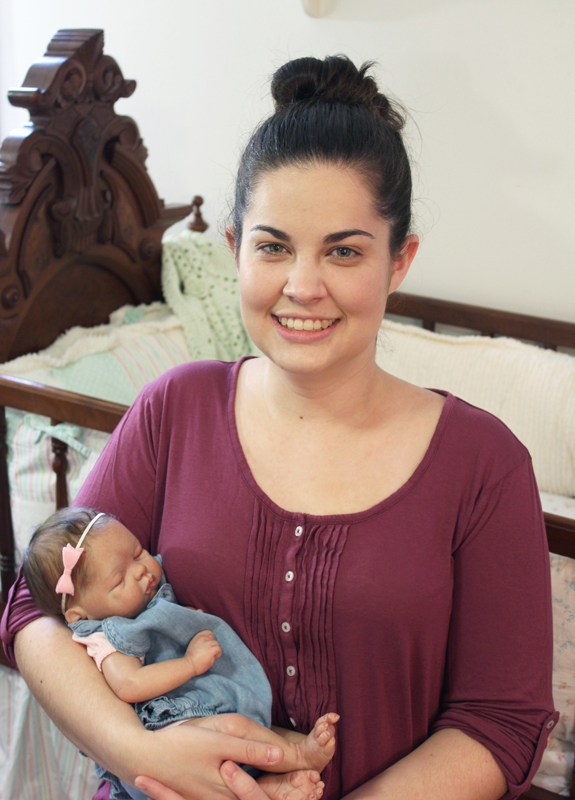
315 269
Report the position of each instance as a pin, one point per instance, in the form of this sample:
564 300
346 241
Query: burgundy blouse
430 610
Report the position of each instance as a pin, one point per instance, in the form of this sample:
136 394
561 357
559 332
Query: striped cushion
112 362
36 761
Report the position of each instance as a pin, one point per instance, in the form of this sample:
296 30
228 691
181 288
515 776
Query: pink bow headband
70 557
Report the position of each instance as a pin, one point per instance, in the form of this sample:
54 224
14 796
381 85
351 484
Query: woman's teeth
305 324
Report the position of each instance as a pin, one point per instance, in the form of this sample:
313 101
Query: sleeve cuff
515 790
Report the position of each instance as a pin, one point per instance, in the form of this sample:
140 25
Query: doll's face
123 577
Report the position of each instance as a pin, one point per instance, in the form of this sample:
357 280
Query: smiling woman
359 533
315 266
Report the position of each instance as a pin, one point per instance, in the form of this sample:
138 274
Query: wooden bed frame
81 226
80 218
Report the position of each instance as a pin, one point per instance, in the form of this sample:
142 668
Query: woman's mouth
298 324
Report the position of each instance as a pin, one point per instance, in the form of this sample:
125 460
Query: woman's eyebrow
331 238
337 237
284 237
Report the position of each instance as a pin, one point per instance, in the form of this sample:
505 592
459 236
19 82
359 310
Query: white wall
490 86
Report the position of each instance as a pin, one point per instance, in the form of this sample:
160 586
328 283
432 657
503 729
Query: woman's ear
74 614
231 238
402 262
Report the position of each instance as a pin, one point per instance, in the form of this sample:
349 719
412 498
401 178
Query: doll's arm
134 683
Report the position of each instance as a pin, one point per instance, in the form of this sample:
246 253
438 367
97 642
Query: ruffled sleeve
97 645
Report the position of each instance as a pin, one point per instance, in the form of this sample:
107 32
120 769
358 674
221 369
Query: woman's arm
68 685
448 766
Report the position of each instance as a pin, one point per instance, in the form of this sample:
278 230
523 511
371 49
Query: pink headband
70 556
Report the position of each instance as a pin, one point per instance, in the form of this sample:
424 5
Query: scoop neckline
356 516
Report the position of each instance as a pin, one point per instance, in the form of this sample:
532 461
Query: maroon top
430 610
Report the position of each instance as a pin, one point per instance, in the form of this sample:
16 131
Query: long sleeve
499 659
20 611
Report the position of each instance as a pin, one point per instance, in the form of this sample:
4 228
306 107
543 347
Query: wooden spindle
60 467
198 223
6 530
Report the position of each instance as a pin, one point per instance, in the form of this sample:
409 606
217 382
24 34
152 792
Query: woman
353 529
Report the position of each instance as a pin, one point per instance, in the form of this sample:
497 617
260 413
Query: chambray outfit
236 683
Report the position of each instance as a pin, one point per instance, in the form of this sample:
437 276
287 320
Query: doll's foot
303 784
318 747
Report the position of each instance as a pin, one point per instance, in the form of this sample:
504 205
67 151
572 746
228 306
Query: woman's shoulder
472 431
203 378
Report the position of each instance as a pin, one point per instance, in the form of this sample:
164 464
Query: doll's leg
313 751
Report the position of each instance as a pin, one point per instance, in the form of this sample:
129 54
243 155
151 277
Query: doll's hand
202 651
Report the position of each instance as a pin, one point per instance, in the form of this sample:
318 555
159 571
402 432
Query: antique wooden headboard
80 220
80 231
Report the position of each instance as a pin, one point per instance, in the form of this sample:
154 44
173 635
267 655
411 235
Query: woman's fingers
155 790
239 782
200 777
256 754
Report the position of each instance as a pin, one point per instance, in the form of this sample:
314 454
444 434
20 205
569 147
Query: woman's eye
344 252
274 248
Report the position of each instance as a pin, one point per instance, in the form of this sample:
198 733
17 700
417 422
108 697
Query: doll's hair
42 563
331 112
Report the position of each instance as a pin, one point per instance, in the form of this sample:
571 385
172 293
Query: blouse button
292 720
286 627
299 530
290 671
289 576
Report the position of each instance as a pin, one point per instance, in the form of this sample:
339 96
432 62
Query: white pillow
530 389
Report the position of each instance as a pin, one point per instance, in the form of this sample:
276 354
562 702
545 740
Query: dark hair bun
336 79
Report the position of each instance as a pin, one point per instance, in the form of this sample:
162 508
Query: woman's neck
349 395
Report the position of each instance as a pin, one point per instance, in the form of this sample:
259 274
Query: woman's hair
43 564
331 112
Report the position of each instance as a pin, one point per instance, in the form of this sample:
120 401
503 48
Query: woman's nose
304 281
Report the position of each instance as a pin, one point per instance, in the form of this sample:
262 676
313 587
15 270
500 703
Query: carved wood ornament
78 211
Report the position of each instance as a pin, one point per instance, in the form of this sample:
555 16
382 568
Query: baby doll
175 664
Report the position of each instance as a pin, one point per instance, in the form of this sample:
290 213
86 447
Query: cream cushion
530 389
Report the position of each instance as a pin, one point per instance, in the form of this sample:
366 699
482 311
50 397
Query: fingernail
230 769
274 755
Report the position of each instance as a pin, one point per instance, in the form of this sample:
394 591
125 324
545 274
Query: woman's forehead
332 197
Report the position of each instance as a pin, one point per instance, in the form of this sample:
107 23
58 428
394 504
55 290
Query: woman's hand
242 785
185 762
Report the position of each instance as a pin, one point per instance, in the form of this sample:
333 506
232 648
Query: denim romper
236 683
